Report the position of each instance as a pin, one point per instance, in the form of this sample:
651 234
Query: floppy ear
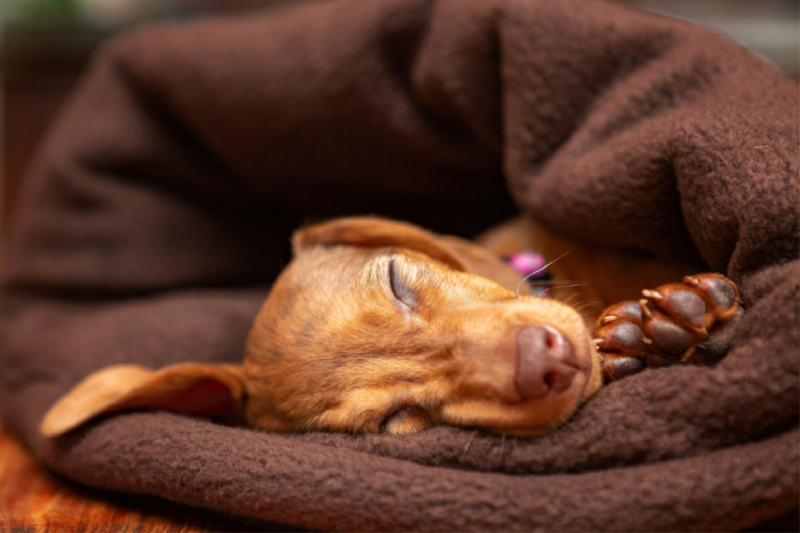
373 232
203 390
458 254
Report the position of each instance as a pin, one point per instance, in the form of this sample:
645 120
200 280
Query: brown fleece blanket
159 208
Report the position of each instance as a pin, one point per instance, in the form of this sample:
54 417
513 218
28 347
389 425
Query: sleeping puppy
382 327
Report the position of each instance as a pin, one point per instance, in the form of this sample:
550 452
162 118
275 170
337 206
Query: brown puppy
380 326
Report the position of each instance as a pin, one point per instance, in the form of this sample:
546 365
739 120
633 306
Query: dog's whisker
559 281
556 283
469 442
568 286
570 299
523 280
588 316
586 305
502 449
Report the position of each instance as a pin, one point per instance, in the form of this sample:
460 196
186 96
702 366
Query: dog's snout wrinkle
547 362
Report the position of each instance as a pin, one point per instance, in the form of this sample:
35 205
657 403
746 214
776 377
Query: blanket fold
159 208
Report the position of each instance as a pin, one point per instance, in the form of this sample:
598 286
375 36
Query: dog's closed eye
404 294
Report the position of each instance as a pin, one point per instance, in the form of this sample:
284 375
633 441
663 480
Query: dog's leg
691 322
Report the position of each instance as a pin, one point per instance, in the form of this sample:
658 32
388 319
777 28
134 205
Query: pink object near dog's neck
531 266
527 263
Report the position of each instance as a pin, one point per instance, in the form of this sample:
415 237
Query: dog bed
159 208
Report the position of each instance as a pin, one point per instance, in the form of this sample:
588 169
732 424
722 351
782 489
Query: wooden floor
34 499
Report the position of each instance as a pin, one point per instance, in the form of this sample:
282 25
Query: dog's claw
653 295
690 322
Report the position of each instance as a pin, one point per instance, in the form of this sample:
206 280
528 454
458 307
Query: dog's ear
455 252
203 390
373 232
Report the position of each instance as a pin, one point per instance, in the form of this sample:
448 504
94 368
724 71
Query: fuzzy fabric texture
159 208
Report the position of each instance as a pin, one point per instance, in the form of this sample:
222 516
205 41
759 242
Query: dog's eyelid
401 290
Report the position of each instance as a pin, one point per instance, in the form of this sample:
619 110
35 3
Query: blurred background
44 45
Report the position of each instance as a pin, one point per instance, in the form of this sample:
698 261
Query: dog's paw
691 322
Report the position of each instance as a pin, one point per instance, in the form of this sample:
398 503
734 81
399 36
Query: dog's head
379 326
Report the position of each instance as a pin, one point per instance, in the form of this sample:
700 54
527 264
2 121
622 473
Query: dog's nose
547 362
